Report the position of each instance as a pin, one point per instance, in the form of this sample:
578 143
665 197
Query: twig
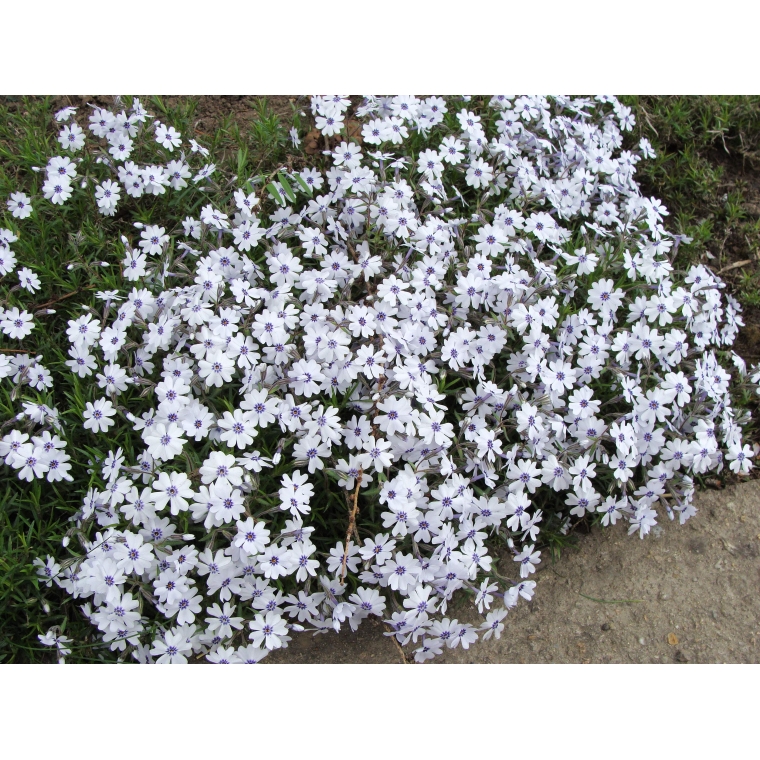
612 601
646 116
722 134
351 526
13 350
398 646
735 265
62 298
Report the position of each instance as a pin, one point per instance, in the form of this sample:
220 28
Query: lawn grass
705 172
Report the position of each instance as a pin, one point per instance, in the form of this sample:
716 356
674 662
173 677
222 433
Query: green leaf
242 160
273 192
156 100
306 188
286 187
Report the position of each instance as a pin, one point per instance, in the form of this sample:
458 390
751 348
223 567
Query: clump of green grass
708 148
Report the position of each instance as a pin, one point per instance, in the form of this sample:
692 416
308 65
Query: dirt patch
368 646
211 109
686 593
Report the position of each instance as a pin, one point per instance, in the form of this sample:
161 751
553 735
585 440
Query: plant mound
360 388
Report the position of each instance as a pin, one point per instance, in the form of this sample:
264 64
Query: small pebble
642 641
605 626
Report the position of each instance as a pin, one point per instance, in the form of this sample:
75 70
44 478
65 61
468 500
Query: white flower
97 416
478 319
28 280
71 137
168 137
17 324
528 559
269 630
20 205
107 196
57 190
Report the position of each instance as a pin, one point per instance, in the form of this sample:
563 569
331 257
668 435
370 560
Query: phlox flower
311 449
528 559
16 323
238 428
168 137
165 441
269 630
252 537
20 205
97 416
740 458
107 196
172 490
172 648
479 174
133 556
71 137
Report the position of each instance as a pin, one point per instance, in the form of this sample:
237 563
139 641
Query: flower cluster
464 331
44 454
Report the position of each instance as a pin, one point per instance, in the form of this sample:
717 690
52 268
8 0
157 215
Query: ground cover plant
275 397
707 169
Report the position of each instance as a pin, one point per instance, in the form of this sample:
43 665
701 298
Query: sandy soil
695 588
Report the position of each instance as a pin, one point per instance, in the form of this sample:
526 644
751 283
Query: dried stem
398 646
62 298
351 526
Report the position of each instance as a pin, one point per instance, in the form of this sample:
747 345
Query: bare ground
686 593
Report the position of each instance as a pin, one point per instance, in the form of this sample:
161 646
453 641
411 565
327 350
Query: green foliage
34 517
701 143
707 149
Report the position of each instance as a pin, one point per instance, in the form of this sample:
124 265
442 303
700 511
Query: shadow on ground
695 586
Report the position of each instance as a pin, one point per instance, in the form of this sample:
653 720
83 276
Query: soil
211 109
684 594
